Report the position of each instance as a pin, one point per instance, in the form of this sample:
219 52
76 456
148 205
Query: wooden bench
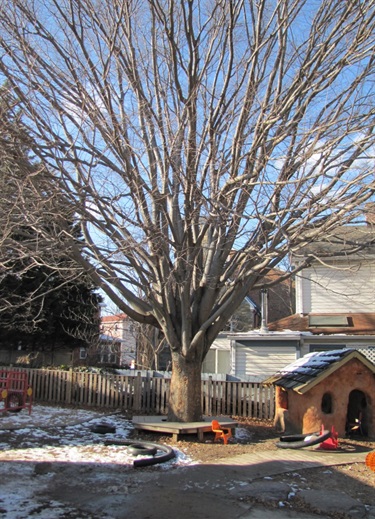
160 424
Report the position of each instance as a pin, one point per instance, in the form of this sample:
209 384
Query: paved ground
219 491
207 491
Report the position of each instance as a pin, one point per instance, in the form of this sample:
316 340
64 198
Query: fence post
210 397
138 392
69 386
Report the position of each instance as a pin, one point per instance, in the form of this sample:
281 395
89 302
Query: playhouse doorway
356 419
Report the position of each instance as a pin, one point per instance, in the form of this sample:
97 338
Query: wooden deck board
160 424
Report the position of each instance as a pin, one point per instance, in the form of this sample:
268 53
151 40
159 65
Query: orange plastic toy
370 461
221 432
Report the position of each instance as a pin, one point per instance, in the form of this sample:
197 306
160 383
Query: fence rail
148 395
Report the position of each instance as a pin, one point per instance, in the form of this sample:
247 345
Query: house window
326 347
82 353
323 321
327 407
107 358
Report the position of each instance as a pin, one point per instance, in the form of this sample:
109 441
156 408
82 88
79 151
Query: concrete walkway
267 464
271 463
220 489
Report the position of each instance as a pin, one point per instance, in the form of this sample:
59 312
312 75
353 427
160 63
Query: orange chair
223 433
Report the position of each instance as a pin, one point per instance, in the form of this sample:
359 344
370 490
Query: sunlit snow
28 443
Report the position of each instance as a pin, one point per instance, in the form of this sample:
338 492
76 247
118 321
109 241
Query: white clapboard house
335 308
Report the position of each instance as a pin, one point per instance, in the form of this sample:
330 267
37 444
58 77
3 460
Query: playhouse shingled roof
306 372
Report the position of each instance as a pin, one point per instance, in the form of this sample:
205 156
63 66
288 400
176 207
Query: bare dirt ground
354 480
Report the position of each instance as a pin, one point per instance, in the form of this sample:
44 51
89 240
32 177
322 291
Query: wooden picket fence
146 395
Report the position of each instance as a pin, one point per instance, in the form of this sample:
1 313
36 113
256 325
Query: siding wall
336 289
303 292
262 360
217 361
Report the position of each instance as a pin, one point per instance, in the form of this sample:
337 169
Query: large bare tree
200 141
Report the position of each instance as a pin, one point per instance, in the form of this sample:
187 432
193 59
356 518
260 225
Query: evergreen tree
46 300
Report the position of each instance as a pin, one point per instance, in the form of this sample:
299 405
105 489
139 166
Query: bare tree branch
200 143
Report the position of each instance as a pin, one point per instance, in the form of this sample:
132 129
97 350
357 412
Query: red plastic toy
15 392
331 443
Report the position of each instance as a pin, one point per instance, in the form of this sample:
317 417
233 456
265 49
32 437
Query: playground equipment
331 443
223 433
370 461
297 441
15 392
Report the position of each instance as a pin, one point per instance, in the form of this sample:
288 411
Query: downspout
232 357
301 344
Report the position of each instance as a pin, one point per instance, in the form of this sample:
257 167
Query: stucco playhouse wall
305 415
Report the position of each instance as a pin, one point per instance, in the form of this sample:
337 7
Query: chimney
264 310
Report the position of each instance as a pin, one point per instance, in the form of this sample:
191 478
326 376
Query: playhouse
330 388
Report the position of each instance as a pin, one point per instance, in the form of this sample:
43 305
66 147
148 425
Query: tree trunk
185 404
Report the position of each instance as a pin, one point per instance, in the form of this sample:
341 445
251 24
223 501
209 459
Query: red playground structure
15 392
